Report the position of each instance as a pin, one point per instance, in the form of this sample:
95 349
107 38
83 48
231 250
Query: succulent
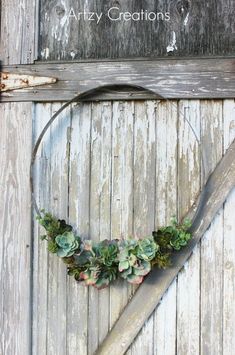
162 260
130 267
67 243
147 249
52 225
52 247
180 240
174 236
98 264
126 260
98 276
106 251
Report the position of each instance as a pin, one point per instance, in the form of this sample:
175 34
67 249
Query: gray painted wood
195 28
18 31
188 280
67 319
135 314
17 46
88 321
211 312
15 218
229 245
166 207
172 78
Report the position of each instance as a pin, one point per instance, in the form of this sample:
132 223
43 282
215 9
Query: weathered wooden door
114 168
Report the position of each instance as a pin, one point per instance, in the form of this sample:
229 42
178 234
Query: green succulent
162 260
98 262
131 267
174 236
52 247
98 276
106 252
67 243
52 225
147 249
180 240
126 260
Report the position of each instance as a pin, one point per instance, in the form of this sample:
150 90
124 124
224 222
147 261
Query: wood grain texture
188 281
16 47
40 254
122 193
15 217
229 245
195 28
144 194
211 245
132 319
171 78
124 135
79 212
18 31
167 123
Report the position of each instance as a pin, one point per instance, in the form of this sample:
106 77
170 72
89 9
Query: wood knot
183 7
60 11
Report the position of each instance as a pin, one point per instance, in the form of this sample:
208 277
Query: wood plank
171 78
17 41
100 199
57 275
104 191
229 245
79 210
122 193
40 254
166 206
17 46
212 242
15 227
144 195
188 281
135 314
192 29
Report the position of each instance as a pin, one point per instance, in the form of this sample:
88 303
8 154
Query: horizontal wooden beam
149 294
172 78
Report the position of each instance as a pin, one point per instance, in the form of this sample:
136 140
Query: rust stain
14 81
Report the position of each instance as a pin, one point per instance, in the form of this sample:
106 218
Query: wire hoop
80 98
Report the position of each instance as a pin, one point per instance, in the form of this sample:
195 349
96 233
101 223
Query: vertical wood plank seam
155 199
177 213
68 156
223 226
110 201
36 29
202 177
90 163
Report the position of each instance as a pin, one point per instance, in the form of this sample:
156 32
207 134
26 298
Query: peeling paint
172 45
72 53
186 19
45 53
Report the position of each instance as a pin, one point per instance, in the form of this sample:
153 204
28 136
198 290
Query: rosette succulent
147 249
131 267
67 243
98 264
180 240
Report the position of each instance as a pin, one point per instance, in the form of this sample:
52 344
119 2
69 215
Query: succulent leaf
67 243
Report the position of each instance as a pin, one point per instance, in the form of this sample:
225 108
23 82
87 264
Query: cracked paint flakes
172 45
45 53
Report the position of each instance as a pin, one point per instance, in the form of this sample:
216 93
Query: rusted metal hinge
11 81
